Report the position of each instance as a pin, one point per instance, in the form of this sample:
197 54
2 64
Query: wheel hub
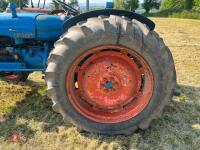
107 80
106 84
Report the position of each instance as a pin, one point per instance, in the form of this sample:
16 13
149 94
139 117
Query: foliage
3 5
181 4
197 9
132 5
149 4
176 13
188 4
179 9
73 3
20 3
186 15
54 6
196 5
173 4
119 4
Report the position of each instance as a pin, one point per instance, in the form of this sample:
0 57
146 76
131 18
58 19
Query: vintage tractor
107 71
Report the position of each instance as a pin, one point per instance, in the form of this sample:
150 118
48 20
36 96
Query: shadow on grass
178 127
36 107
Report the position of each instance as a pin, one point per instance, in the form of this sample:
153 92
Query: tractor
107 71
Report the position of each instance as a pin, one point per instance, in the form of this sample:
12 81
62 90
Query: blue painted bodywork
31 59
53 25
20 28
31 26
36 57
26 27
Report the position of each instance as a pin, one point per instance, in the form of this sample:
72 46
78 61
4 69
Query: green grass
185 14
25 107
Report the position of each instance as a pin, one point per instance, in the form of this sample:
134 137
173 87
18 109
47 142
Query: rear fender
106 12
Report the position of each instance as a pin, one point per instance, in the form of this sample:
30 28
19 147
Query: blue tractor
107 70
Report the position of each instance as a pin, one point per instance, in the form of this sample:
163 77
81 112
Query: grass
26 109
185 14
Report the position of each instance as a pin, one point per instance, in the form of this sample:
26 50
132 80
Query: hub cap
109 84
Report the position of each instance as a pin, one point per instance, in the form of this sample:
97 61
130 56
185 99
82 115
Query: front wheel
15 77
110 75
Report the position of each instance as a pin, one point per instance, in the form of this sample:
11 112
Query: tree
150 4
197 3
131 5
119 4
20 3
44 3
73 3
55 5
3 5
189 4
38 5
32 5
173 4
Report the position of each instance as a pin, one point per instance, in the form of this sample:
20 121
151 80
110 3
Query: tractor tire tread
118 27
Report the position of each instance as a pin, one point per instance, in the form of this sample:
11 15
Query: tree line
131 5
40 3
148 5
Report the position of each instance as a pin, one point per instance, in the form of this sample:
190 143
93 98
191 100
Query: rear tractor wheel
110 75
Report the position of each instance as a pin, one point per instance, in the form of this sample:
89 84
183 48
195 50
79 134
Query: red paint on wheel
110 84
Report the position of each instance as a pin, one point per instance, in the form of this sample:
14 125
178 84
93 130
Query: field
25 108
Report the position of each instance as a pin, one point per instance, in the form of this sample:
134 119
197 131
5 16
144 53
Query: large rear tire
110 75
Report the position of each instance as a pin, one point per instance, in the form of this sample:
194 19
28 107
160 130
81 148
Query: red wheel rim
110 84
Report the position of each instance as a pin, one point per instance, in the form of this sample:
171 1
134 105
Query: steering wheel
67 8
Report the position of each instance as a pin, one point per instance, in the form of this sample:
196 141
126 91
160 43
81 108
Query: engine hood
32 26
21 27
49 27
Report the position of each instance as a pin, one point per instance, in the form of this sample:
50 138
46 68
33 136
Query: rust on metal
110 84
38 10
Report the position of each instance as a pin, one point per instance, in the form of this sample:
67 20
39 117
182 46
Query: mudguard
106 12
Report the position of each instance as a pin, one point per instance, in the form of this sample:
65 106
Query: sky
82 1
